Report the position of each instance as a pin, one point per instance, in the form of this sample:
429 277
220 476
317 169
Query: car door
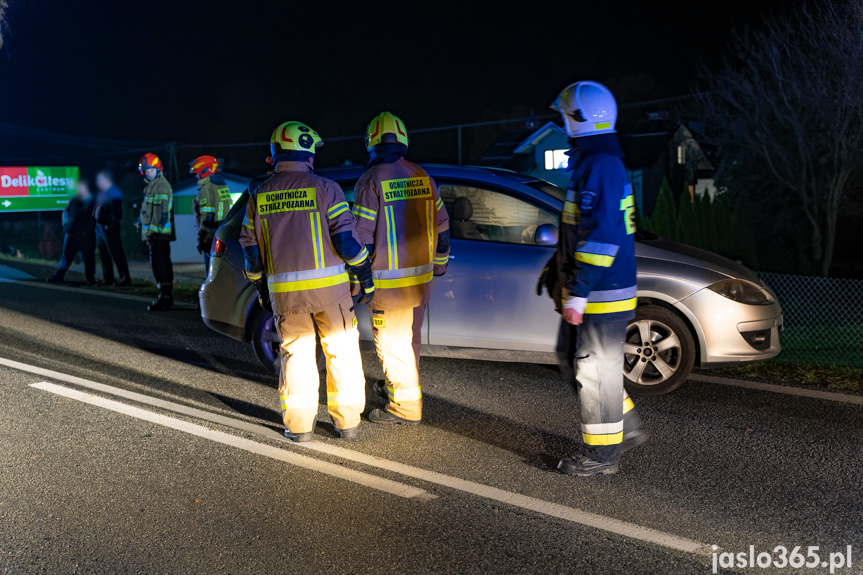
487 299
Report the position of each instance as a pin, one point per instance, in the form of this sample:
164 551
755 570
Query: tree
785 113
663 220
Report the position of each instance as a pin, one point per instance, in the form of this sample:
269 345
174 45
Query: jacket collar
203 182
292 167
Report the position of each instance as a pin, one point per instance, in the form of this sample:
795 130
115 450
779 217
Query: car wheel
266 340
659 351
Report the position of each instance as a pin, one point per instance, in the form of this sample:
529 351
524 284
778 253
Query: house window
556 159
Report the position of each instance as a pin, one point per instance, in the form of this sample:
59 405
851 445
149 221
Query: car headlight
742 291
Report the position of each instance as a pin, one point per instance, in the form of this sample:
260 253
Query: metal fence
823 319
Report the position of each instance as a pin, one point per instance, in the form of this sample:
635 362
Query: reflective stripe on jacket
596 252
157 211
400 213
305 234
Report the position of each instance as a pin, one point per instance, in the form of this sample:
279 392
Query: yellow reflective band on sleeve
594 259
611 306
300 401
441 260
208 210
392 240
301 285
317 240
249 225
337 210
364 253
404 394
439 204
606 439
362 212
268 256
254 277
628 405
345 398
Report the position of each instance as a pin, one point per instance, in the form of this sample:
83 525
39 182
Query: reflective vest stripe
309 284
392 241
602 428
404 282
603 439
403 394
337 210
341 398
611 306
317 241
402 273
268 256
611 295
432 218
362 212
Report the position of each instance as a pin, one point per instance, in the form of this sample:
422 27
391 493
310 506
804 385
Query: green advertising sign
36 189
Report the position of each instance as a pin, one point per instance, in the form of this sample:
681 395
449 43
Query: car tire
664 364
265 339
266 343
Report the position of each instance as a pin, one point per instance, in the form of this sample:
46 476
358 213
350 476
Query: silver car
694 307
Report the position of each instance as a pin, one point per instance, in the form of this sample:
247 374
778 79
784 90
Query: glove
264 294
363 272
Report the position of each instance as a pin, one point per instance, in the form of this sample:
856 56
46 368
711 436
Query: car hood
670 251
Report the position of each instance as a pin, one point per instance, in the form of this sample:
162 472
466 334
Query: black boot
299 437
351 434
164 303
383 416
55 279
583 466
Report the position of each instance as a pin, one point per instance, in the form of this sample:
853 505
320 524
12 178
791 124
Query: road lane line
783 389
276 453
548 508
145 399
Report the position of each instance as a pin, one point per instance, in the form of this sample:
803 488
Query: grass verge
834 378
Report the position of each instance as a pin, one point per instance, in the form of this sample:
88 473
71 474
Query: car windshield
550 189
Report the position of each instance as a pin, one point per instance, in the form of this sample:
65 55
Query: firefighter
212 204
596 269
300 244
402 221
156 224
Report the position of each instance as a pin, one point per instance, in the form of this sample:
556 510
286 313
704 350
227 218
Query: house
656 147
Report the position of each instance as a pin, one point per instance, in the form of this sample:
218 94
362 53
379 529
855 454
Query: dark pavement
87 489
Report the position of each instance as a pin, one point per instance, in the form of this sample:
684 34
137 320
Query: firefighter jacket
299 233
157 211
401 217
596 252
213 204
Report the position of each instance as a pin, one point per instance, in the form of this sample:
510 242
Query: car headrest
462 209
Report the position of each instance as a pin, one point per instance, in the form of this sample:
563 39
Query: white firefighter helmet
588 109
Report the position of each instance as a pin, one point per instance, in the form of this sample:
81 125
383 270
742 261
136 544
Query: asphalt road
191 476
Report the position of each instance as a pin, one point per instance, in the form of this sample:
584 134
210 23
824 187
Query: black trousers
111 252
163 269
72 245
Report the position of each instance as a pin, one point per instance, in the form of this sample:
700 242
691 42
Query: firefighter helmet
204 166
294 137
386 128
149 160
588 109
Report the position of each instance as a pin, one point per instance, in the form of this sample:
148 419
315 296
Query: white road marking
783 389
548 508
311 463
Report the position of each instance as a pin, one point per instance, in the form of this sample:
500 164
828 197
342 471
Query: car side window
483 214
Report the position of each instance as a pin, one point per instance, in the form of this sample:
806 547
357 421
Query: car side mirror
546 235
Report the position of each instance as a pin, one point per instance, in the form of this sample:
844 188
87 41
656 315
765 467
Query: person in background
79 235
156 223
212 204
108 214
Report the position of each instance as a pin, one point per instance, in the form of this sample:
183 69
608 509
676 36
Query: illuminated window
556 159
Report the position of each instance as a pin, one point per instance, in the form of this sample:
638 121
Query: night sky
218 71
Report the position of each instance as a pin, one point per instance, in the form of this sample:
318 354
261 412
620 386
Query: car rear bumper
224 303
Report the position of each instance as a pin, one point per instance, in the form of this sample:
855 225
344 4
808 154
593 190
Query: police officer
596 267
212 204
300 243
404 225
156 224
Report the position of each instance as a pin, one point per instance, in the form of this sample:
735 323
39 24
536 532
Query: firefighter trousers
394 333
300 380
163 269
603 403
